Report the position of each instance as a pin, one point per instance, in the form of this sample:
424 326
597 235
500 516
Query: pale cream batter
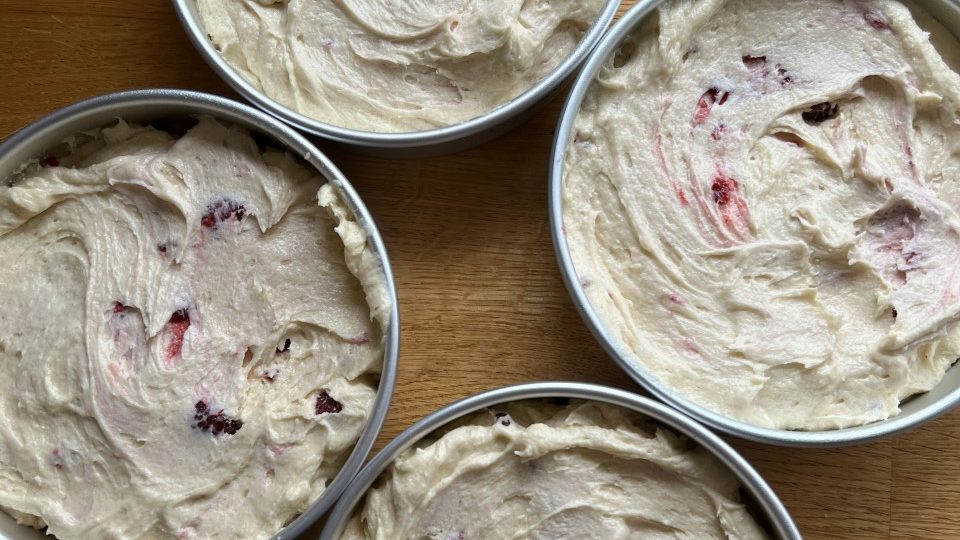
537 470
760 200
395 65
189 342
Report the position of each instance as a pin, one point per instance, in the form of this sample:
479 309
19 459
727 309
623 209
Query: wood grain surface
481 299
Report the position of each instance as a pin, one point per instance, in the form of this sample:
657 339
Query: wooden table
481 300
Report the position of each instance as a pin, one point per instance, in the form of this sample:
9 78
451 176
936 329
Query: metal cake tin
914 411
158 105
773 515
446 140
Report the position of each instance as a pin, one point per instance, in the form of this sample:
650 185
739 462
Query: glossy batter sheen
536 470
395 65
761 204
189 342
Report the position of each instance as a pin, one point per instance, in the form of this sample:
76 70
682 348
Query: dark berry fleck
285 348
820 112
49 160
221 211
723 189
269 375
56 459
503 419
782 76
162 248
180 316
326 404
753 62
216 424
717 132
893 311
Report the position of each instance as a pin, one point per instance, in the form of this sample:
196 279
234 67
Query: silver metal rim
186 12
53 128
620 354
751 480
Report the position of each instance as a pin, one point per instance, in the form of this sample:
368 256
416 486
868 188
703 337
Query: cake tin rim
764 495
629 23
54 127
435 137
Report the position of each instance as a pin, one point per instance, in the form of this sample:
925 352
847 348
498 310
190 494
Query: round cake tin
772 514
432 142
914 411
164 107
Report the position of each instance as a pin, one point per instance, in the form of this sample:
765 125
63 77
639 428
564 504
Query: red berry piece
723 188
690 345
675 298
178 324
705 104
326 404
221 211
876 19
820 113
362 339
118 307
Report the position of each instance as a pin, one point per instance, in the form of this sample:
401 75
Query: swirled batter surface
395 65
761 200
537 470
189 342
